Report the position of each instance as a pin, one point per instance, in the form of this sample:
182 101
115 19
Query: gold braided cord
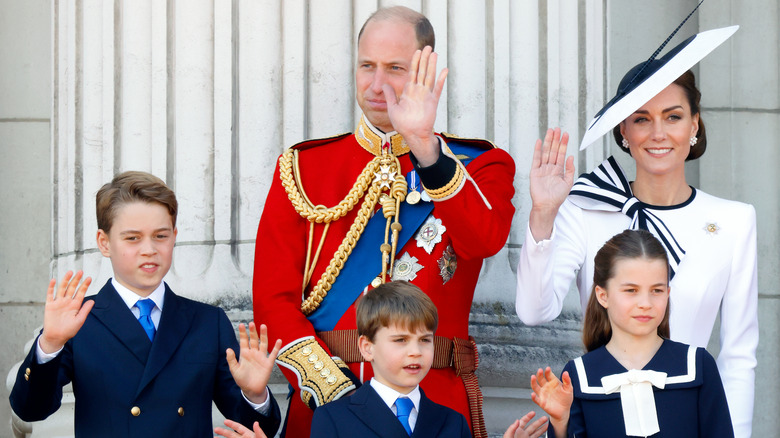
319 213
320 290
369 187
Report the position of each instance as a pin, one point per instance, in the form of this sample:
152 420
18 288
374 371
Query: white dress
717 273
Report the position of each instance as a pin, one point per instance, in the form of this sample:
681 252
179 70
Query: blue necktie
403 407
146 306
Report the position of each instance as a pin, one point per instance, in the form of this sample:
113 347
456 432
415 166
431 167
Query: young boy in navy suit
143 361
396 324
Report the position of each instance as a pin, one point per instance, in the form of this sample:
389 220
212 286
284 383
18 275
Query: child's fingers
73 284
566 381
243 339
254 343
263 338
537 428
538 381
50 290
82 290
230 355
63 287
526 418
275 352
549 375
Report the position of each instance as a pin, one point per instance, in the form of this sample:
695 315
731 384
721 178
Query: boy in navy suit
396 324
143 361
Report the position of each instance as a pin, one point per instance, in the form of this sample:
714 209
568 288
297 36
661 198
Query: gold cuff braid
319 375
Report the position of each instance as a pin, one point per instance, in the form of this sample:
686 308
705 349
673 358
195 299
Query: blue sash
364 263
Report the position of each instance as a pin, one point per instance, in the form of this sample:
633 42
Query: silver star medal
430 234
406 268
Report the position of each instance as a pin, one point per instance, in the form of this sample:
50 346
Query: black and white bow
607 189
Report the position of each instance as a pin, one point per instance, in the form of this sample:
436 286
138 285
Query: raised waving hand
551 179
65 311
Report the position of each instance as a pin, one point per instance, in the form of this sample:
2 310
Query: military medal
385 176
447 264
430 234
406 268
413 196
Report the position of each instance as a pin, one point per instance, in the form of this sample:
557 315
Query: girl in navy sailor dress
633 381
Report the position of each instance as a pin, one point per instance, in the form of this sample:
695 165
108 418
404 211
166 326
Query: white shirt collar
130 297
389 395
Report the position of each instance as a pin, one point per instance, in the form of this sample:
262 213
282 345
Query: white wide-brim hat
646 80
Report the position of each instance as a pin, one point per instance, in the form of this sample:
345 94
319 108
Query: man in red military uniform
391 201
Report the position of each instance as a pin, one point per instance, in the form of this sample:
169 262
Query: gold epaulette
320 376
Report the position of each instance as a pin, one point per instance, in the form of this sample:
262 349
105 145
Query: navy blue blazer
364 414
127 386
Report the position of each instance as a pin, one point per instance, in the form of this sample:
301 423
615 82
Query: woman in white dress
711 242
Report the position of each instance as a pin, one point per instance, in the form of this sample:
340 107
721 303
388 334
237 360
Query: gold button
26 377
318 365
181 411
306 350
325 372
27 371
136 411
331 380
313 358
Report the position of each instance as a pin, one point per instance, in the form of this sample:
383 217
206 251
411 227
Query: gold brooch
711 228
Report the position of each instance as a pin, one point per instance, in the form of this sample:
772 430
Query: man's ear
103 243
601 296
366 348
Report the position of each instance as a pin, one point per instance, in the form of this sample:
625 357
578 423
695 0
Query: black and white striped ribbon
607 189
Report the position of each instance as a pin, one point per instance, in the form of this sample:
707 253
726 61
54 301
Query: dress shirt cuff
41 356
262 408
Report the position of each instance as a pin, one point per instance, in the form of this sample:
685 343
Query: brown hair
688 83
630 244
132 187
422 26
397 302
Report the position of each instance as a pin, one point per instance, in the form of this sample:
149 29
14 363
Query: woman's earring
694 140
625 144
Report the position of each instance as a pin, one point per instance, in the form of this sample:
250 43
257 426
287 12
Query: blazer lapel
367 406
113 313
175 323
429 423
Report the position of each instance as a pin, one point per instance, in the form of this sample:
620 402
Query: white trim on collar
690 376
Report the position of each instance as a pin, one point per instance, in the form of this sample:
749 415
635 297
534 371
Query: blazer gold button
27 371
181 411
27 377
136 411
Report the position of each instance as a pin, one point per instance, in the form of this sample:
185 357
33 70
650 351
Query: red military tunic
328 169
